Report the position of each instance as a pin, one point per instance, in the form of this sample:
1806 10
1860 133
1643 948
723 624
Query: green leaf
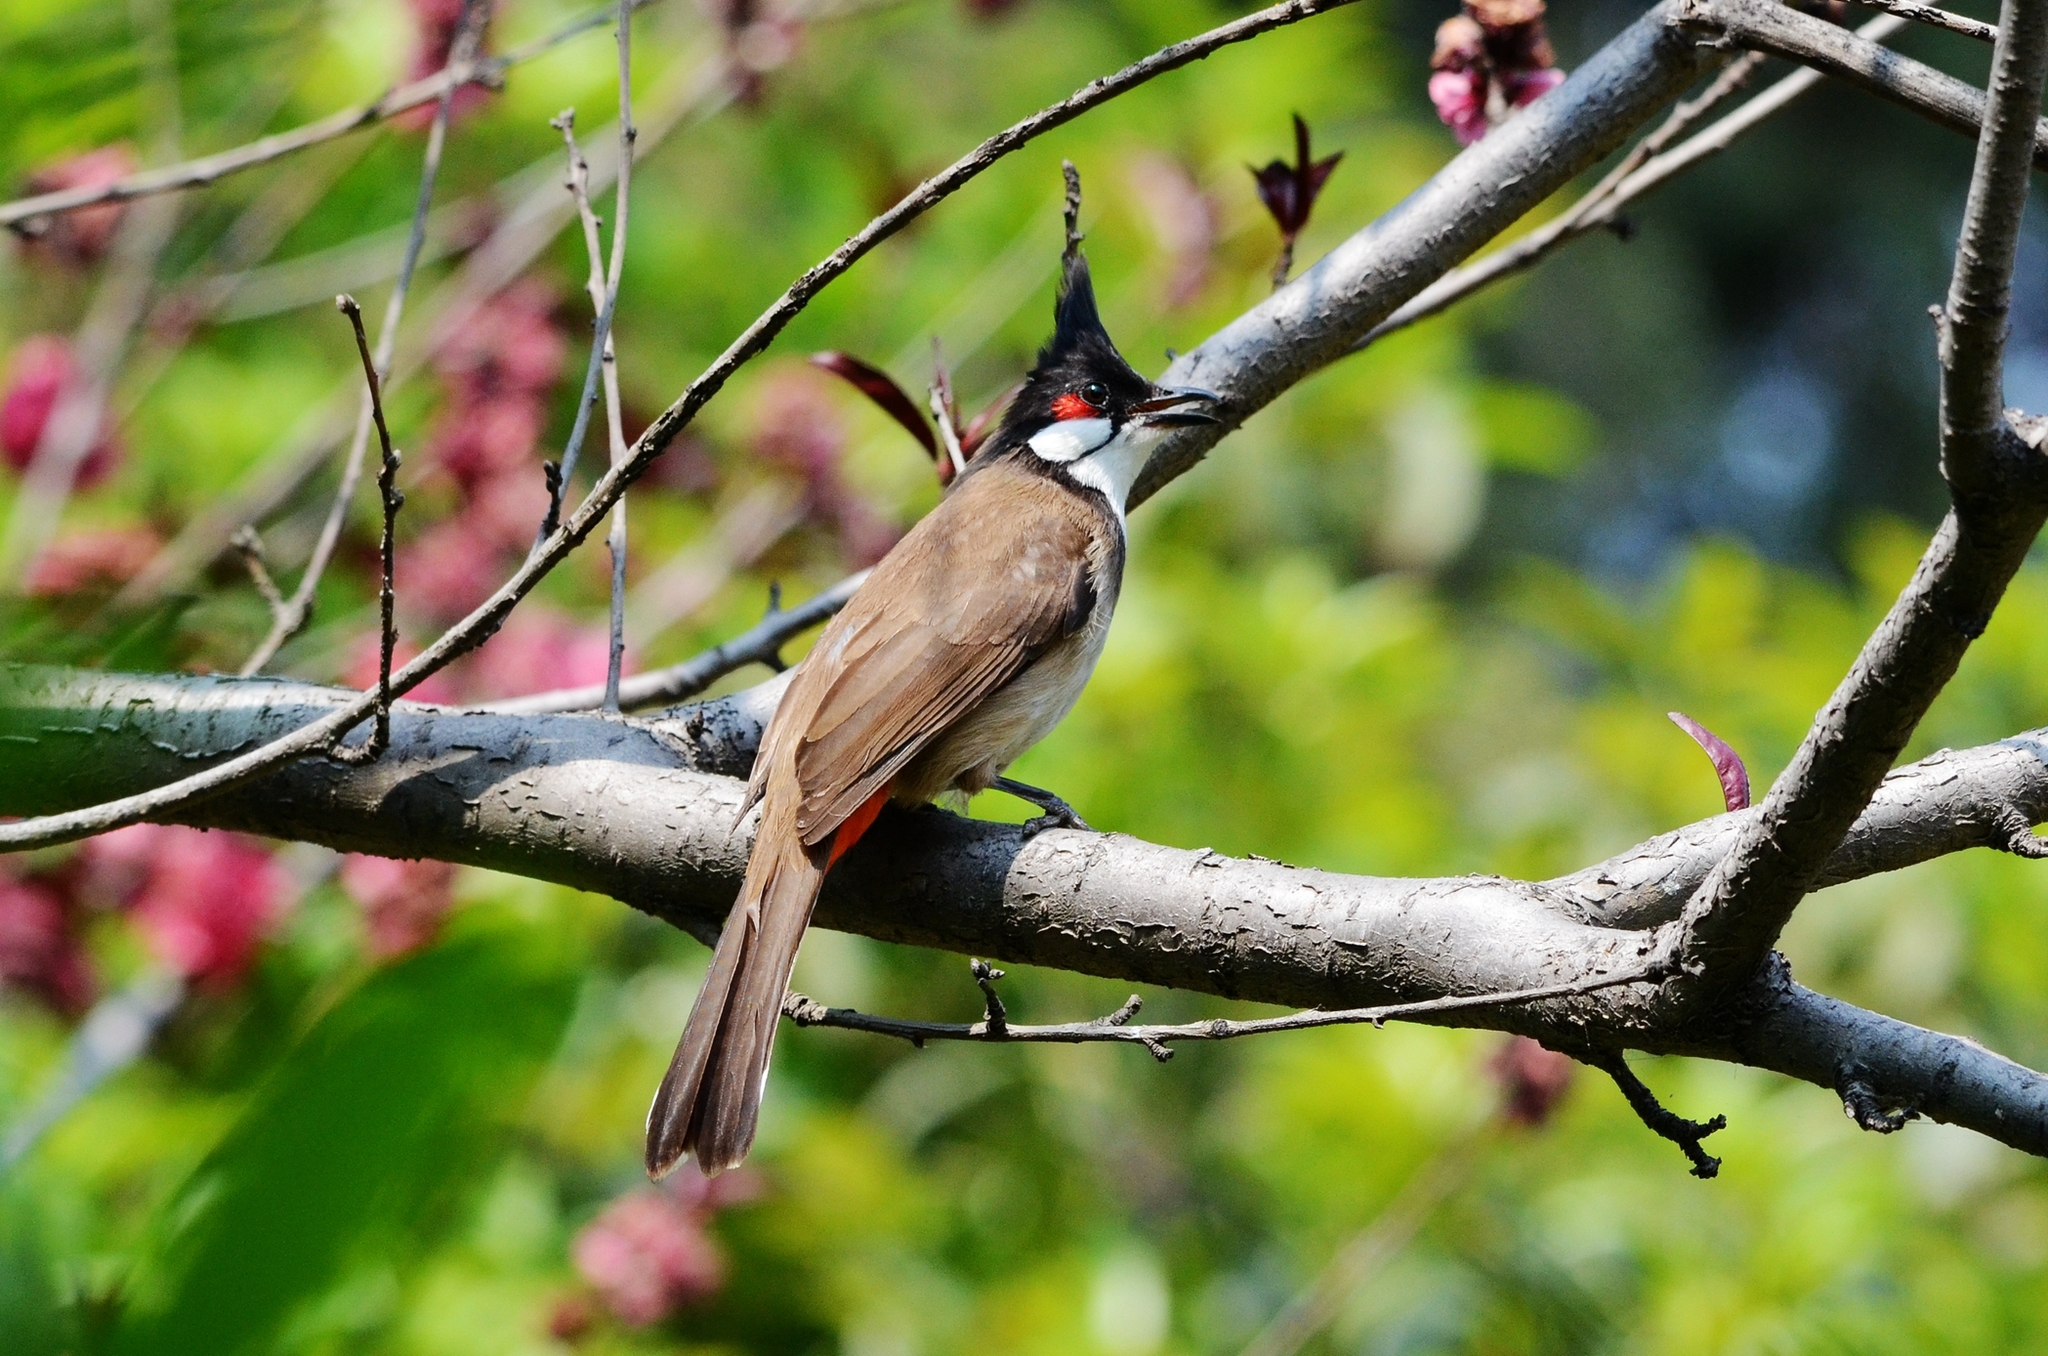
1534 429
387 1114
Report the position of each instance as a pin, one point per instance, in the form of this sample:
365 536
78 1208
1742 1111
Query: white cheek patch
1069 439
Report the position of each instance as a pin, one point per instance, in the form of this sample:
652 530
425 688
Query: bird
970 640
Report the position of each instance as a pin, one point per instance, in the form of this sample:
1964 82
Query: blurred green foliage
1336 647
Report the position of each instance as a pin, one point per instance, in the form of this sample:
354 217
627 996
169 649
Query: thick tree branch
644 811
1999 486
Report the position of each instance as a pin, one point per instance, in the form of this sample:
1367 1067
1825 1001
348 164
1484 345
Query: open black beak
1179 405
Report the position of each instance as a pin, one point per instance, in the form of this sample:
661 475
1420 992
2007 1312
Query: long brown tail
711 1097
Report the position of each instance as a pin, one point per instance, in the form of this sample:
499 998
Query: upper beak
1179 405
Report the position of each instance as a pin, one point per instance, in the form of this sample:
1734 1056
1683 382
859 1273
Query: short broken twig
393 499
1115 1027
1672 1126
248 544
1936 18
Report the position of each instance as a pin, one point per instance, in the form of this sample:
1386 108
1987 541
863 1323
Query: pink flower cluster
202 902
798 428
80 237
647 1254
435 22
1489 61
40 946
403 902
38 372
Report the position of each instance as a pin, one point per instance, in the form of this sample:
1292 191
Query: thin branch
1115 1028
81 416
1936 18
526 227
1998 483
760 644
615 660
392 499
248 544
1687 1135
484 621
298 609
607 304
1766 26
1647 167
21 215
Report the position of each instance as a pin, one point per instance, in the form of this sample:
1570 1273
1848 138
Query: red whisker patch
1071 406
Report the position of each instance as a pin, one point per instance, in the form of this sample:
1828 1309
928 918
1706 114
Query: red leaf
1289 191
1727 762
881 388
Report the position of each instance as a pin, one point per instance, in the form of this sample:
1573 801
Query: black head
1080 375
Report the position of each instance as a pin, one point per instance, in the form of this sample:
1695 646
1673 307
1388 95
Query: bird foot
1058 814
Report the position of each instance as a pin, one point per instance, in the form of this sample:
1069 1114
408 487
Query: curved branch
643 810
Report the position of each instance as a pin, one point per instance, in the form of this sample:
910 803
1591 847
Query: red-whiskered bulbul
969 642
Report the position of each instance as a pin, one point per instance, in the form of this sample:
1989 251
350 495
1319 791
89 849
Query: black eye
1096 394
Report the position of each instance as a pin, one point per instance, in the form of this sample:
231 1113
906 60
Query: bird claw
1060 816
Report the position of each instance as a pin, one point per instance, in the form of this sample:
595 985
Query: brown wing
993 576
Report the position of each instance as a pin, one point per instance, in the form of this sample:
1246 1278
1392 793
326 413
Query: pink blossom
403 902
797 426
39 946
509 346
1526 87
647 1255
539 651
203 901
506 510
37 373
99 558
436 22
82 236
1460 99
447 571
476 440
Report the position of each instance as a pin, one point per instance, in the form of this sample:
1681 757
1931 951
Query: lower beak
1179 405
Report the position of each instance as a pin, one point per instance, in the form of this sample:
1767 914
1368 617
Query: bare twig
761 644
481 623
393 499
1766 26
79 418
1115 1027
526 228
607 304
298 609
1937 18
21 215
1647 167
1686 1134
248 544
1998 483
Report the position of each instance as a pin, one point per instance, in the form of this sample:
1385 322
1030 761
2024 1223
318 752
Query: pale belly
969 757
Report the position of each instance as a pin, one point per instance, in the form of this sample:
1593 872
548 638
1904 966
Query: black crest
1080 352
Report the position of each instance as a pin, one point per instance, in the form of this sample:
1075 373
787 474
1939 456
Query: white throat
1099 455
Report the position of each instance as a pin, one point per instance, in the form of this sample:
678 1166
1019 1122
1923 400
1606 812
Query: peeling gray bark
643 810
